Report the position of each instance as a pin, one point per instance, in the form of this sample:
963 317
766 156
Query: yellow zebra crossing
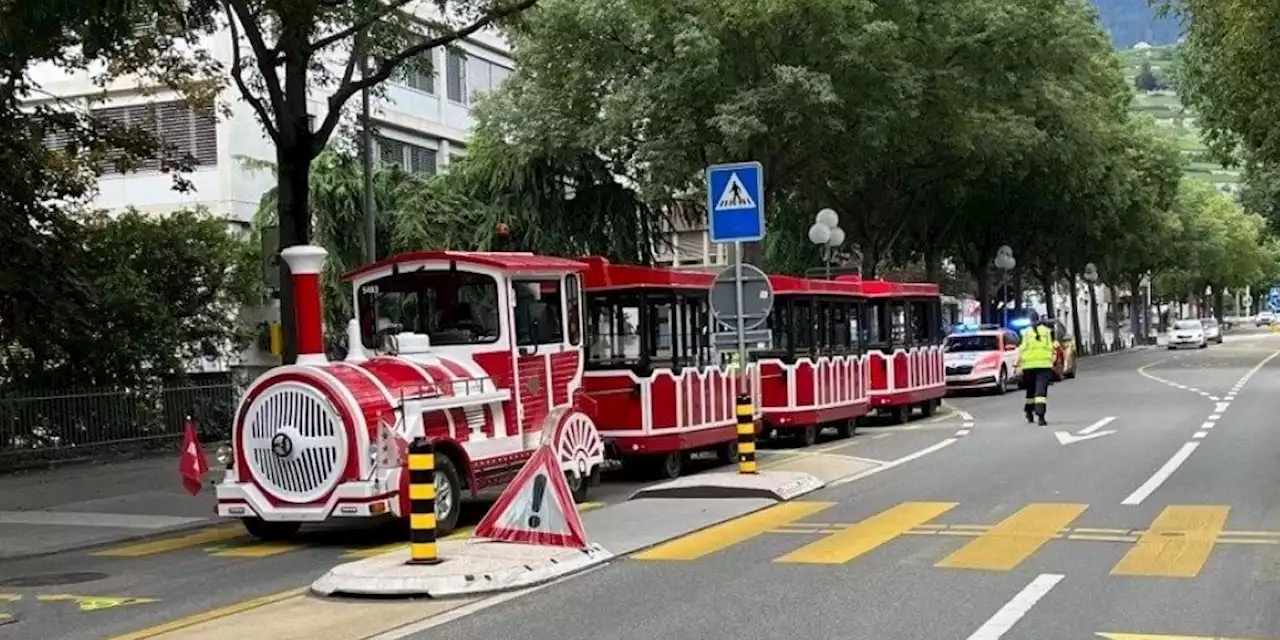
1177 544
231 541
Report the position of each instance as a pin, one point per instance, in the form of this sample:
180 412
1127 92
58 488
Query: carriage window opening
898 322
450 307
857 311
874 330
802 325
840 327
613 324
821 326
921 323
574 310
538 300
661 328
694 335
779 323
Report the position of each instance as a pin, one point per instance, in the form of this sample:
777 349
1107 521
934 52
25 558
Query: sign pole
742 320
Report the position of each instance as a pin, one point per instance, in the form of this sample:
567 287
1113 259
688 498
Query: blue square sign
735 202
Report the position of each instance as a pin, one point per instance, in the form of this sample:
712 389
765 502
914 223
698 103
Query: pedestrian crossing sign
735 202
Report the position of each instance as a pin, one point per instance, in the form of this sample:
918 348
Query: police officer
1037 349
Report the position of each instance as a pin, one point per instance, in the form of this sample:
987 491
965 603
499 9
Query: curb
98 544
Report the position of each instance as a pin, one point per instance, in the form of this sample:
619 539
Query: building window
484 76
456 75
418 73
186 133
410 157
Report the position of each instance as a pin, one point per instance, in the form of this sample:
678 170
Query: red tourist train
491 355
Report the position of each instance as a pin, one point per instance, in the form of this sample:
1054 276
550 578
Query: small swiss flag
191 465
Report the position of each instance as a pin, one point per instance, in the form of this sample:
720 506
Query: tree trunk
869 263
1016 285
1136 317
1047 285
1113 315
984 296
932 266
1218 305
1095 331
1074 291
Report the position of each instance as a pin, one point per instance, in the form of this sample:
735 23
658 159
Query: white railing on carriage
726 414
824 393
913 376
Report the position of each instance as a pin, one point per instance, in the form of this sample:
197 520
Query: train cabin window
574 311
874 330
921 324
539 312
779 322
451 307
613 330
898 322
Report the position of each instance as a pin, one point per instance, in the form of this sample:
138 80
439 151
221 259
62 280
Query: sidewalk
75 507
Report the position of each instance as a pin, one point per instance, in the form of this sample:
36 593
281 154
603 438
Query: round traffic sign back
757 298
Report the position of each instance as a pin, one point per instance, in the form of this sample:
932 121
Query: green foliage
1215 244
154 293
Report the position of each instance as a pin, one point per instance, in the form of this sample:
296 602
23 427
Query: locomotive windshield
450 307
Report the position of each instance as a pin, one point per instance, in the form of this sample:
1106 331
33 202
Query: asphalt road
131 591
1159 518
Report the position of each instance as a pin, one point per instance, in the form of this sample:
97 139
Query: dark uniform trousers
1036 382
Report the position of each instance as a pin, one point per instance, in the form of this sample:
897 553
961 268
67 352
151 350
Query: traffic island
771 485
467 568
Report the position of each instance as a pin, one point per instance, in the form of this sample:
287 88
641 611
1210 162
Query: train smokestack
305 263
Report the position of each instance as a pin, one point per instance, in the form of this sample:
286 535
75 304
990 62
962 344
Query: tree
1230 75
159 291
52 153
284 51
1146 80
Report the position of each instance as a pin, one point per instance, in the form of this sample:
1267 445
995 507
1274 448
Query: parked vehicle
1265 319
986 359
1187 333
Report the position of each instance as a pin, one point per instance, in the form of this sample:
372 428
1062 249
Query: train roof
791 285
877 288
507 261
604 275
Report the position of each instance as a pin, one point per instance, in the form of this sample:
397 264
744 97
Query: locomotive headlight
224 456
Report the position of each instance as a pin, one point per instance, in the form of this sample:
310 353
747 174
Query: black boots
1043 422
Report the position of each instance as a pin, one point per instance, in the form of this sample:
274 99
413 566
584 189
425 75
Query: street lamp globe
828 218
1091 272
1005 262
1004 250
819 234
837 237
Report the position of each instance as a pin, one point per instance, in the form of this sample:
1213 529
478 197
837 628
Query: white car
1187 333
1265 319
1212 330
985 359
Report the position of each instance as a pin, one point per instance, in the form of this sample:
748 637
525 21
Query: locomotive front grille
294 443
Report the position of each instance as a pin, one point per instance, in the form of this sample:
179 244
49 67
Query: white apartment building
688 246
423 121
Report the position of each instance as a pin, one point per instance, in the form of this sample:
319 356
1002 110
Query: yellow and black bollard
746 435
422 503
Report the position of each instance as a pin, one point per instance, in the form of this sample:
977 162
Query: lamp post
1146 309
1005 262
1095 331
827 234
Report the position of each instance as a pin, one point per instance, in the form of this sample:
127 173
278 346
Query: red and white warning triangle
536 508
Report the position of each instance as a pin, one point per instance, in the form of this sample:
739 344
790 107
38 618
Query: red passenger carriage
901 331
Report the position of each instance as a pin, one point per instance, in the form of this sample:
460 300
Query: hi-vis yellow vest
1037 347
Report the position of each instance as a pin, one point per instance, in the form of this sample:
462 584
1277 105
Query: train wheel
578 445
448 495
846 428
901 414
929 408
809 435
728 453
670 465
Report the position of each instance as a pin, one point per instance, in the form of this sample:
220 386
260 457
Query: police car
983 358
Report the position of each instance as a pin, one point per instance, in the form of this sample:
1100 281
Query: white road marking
1214 416
962 433
1230 398
1097 425
1222 407
896 462
967 425
965 415
1207 425
1213 398
1199 435
1149 487
1009 615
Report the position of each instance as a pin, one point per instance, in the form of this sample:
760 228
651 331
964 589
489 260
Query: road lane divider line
1199 435
862 538
194 539
1161 475
1014 539
897 462
1177 544
1008 615
726 534
212 614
